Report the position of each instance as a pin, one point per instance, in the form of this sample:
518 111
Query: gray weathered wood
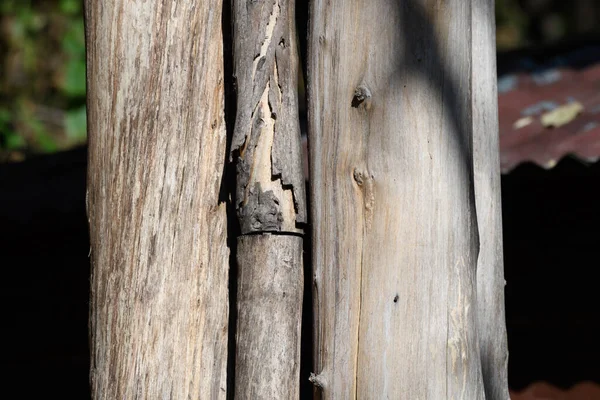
270 197
159 300
269 315
395 241
493 346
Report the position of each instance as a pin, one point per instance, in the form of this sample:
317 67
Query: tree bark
404 309
159 300
270 199
269 314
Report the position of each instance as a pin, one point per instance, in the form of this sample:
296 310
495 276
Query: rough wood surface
493 346
269 303
395 243
270 197
270 193
159 302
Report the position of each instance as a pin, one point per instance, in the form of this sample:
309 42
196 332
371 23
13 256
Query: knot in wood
362 96
359 176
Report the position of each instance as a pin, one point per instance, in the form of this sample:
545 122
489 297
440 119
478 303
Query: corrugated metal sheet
550 111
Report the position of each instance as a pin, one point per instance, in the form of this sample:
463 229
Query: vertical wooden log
486 155
269 314
270 201
395 240
159 303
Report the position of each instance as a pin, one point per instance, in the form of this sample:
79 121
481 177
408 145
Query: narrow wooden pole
270 201
493 346
269 312
159 299
399 310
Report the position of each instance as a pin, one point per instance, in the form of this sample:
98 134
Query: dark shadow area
306 346
302 13
423 56
575 53
551 222
226 190
45 288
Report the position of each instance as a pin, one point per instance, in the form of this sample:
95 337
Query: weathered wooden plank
270 287
159 301
395 242
270 197
490 264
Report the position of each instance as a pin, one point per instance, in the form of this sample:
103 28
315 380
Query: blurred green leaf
74 79
73 44
76 124
9 139
5 116
13 141
70 6
73 41
43 139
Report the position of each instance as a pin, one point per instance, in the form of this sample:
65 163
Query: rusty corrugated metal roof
551 110
545 391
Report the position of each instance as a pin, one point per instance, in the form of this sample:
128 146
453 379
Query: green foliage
75 124
71 7
73 45
42 79
10 138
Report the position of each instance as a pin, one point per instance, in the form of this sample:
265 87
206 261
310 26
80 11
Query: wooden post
159 303
270 201
491 320
404 186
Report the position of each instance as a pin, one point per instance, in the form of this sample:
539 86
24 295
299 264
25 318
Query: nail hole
396 297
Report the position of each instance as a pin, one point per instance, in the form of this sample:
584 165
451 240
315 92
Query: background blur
42 63
42 77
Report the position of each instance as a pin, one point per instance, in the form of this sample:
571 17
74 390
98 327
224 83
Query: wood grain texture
270 287
159 300
395 239
486 155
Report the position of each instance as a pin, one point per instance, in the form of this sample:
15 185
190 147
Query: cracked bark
270 201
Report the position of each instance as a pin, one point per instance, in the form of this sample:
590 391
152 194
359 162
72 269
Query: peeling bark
266 143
